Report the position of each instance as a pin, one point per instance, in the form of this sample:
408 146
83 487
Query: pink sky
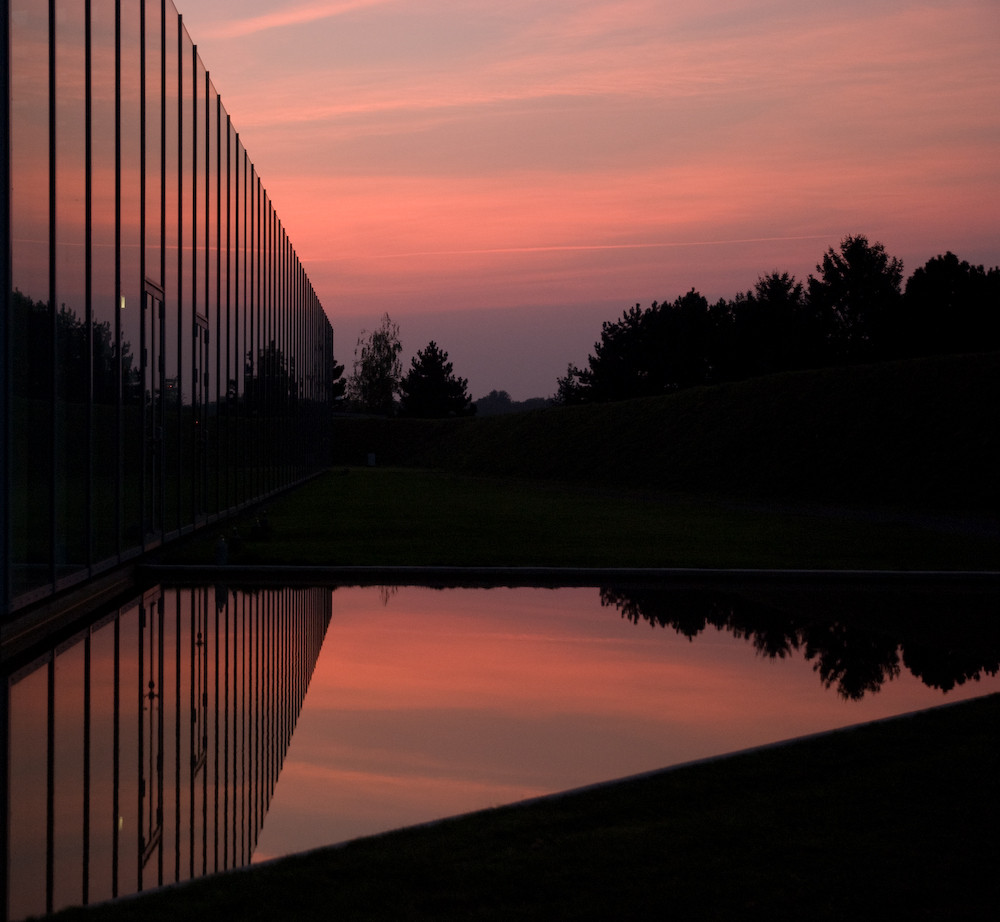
503 177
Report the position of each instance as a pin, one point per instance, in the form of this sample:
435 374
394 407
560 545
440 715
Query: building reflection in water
145 749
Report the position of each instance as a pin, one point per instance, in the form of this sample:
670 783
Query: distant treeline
497 402
855 310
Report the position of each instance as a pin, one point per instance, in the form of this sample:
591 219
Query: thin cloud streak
557 248
295 16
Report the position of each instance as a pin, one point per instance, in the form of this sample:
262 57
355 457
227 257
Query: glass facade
165 359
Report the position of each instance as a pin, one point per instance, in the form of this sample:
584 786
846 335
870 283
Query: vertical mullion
218 304
215 811
89 277
50 784
225 746
161 706
181 518
119 366
163 147
5 387
144 353
53 311
178 631
206 365
230 405
115 757
86 761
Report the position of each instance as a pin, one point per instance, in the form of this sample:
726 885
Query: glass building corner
165 358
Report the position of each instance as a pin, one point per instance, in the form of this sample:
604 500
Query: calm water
195 730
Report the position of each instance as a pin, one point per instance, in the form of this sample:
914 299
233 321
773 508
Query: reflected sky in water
427 703
196 729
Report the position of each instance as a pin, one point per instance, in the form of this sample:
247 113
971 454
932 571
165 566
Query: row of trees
854 310
430 389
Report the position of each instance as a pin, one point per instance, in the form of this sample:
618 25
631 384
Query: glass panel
199 368
103 813
31 324
153 40
243 317
132 281
154 322
281 356
27 816
267 344
104 288
230 349
68 761
213 291
199 409
253 403
72 487
200 134
128 716
151 738
188 274
173 283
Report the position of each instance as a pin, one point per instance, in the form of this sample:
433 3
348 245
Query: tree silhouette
338 383
377 369
647 352
431 390
571 389
857 294
853 311
773 328
951 306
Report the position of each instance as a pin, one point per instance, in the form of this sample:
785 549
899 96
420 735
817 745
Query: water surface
197 729
428 703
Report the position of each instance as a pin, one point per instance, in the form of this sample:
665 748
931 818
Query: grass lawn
396 516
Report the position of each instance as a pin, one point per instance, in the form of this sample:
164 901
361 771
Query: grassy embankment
882 467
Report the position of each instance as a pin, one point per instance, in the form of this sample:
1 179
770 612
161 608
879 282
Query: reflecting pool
198 729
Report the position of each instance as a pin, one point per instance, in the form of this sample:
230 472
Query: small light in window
121 302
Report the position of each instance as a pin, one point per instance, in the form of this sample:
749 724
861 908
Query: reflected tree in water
856 653
855 660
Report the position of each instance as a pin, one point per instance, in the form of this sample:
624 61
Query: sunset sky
502 177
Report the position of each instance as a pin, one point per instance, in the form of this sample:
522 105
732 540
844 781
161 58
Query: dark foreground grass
395 516
895 820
